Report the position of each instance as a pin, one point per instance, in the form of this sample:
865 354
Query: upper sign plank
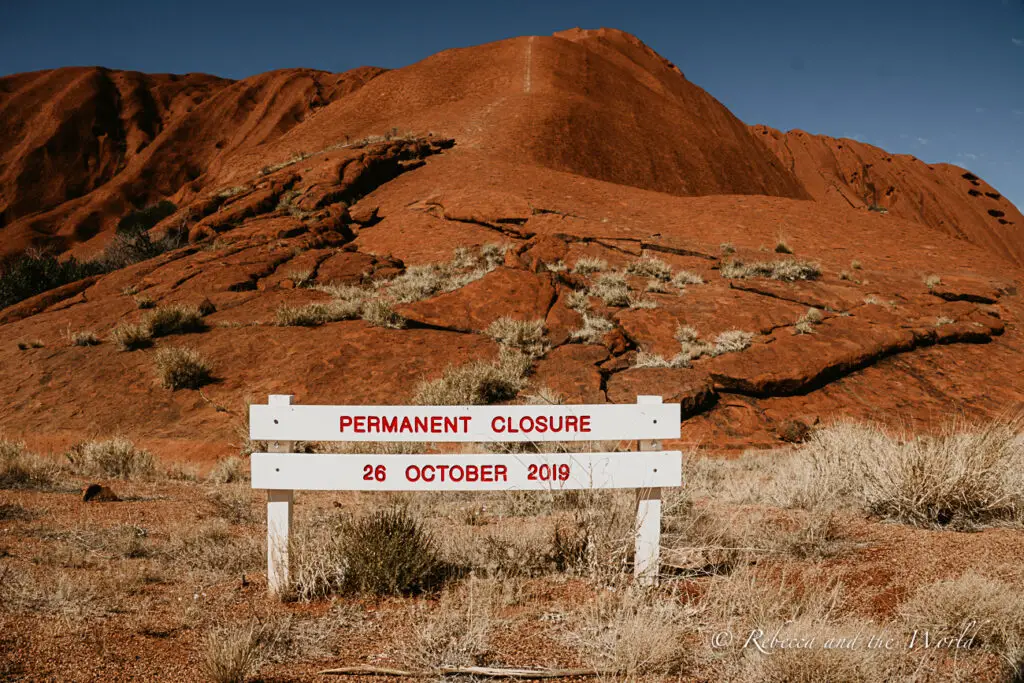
601 422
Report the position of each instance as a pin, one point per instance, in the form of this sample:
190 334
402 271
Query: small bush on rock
182 368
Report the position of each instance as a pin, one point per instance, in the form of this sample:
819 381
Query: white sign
485 424
334 472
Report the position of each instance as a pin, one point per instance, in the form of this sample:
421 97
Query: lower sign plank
337 472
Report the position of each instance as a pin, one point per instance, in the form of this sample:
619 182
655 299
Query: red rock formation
845 172
277 194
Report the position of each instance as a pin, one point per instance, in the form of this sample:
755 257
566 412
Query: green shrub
387 552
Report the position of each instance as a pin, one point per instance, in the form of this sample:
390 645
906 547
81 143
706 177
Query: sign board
647 470
484 424
329 472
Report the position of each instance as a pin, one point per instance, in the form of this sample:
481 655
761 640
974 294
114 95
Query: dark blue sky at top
940 79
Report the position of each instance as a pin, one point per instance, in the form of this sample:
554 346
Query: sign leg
648 520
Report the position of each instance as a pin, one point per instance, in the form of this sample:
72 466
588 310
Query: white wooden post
648 519
279 517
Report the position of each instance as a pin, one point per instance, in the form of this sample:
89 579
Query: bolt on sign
281 472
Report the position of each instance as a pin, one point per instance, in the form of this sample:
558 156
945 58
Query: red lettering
585 423
346 421
472 473
526 423
435 424
389 426
373 423
465 422
501 473
542 423
487 473
570 423
406 424
451 424
457 473
360 427
431 477
421 423
495 424
412 473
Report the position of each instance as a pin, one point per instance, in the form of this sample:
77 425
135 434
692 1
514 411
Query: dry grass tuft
20 469
651 267
312 315
685 277
387 552
805 324
611 288
732 341
966 477
585 265
30 344
787 270
131 337
932 281
144 302
182 368
578 301
233 654
174 319
457 632
633 632
727 248
84 338
525 336
117 457
229 470
593 330
477 383
378 313
422 281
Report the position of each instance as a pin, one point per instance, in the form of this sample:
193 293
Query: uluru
555 219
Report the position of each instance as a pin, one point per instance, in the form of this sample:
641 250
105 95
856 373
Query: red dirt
512 142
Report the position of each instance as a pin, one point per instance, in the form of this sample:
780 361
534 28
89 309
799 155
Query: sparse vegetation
593 330
315 314
174 319
144 302
968 476
378 313
787 270
932 281
685 277
422 281
182 368
84 338
477 383
805 324
387 552
855 265
943 320
35 272
727 248
229 470
732 341
651 267
131 336
586 265
525 336
782 246
25 345
20 469
611 288
578 301
233 654
117 457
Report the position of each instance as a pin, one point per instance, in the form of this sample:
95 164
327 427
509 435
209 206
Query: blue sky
940 79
